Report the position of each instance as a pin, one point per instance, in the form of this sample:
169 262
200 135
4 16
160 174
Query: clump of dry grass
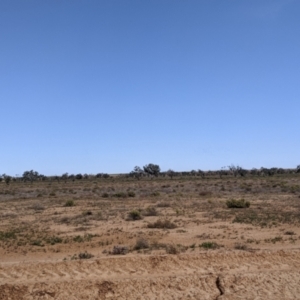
209 245
233 203
141 243
150 211
162 224
134 215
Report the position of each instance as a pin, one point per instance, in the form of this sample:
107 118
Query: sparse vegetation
134 215
237 203
85 255
150 211
69 203
141 243
209 245
162 224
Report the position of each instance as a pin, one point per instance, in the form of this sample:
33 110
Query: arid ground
153 238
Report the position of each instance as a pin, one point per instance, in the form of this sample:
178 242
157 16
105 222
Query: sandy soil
49 250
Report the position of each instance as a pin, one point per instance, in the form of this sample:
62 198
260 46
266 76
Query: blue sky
102 86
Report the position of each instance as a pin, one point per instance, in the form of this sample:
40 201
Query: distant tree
171 173
57 178
280 171
30 176
193 173
152 169
137 172
237 170
254 172
298 169
64 177
201 173
85 176
266 171
78 176
72 177
7 178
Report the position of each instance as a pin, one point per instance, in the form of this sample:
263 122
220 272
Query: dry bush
239 246
171 249
85 255
163 204
209 245
150 211
233 203
162 224
141 243
134 215
205 193
69 203
119 250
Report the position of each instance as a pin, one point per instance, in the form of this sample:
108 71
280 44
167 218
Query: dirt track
222 275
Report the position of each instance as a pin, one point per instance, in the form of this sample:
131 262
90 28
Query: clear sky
105 85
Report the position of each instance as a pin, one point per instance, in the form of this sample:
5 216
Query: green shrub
131 194
105 195
233 203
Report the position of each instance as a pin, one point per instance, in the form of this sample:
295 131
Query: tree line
151 170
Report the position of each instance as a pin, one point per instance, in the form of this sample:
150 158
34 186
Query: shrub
141 243
209 245
163 204
7 235
131 194
233 203
54 240
117 250
78 239
205 193
87 213
69 203
105 195
239 246
163 224
85 255
155 194
134 215
290 232
37 243
120 195
171 249
150 211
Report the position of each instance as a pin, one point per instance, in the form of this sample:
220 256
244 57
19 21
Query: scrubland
155 238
